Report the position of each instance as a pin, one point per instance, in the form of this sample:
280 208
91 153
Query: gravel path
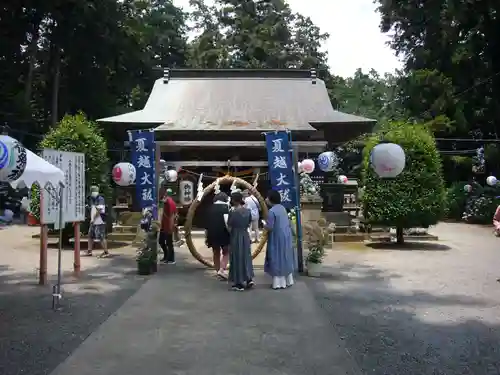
433 312
33 338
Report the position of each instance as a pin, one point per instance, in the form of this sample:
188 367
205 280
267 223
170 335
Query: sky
355 38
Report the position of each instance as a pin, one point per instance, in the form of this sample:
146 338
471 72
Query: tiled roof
237 100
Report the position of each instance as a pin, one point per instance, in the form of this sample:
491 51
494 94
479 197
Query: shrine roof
237 99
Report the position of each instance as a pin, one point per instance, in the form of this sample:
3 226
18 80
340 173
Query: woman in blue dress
240 257
279 263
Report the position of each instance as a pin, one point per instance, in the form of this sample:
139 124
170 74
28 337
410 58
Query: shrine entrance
188 225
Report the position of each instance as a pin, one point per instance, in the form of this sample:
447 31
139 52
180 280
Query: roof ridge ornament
166 75
313 75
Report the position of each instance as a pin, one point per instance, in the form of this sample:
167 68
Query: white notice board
73 166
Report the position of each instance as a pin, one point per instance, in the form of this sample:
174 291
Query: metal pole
298 220
57 296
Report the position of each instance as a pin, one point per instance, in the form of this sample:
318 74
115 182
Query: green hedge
416 197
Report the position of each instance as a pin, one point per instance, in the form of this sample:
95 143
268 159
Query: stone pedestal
333 197
310 208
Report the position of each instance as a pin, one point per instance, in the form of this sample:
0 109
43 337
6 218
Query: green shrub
79 134
455 201
416 197
481 209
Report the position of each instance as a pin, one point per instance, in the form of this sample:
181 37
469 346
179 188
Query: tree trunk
32 52
55 86
400 235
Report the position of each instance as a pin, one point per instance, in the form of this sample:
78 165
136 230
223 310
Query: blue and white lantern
387 160
491 180
327 161
12 159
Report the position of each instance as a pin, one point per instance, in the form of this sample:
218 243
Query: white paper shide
73 202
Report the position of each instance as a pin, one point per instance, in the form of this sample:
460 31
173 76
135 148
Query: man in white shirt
97 230
253 205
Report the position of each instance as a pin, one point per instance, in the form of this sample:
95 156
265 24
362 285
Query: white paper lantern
342 179
387 160
327 161
467 188
171 175
491 180
186 192
307 166
124 174
12 159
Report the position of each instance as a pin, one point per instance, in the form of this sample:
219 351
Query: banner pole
298 220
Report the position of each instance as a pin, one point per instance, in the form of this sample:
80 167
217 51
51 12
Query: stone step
121 237
349 237
387 237
125 229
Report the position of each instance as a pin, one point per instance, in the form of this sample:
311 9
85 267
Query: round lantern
467 188
171 175
12 159
327 161
342 179
491 180
124 174
387 160
308 166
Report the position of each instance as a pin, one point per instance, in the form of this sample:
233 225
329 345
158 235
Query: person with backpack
252 204
97 228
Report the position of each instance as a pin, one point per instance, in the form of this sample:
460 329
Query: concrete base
341 219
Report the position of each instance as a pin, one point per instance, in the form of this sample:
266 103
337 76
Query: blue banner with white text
143 158
281 174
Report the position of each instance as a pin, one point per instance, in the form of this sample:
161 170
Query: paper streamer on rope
217 186
12 159
199 194
124 174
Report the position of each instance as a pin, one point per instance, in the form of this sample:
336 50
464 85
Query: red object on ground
32 221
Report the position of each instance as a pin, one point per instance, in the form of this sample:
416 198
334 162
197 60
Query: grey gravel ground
33 338
419 312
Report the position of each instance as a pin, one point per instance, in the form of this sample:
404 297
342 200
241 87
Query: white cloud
355 39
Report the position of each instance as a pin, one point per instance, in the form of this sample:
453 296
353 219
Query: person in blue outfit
279 262
240 254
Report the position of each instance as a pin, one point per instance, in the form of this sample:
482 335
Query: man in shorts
97 229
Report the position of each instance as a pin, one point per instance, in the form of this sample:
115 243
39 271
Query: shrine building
211 121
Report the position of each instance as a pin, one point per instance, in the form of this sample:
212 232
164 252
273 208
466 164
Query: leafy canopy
79 134
414 198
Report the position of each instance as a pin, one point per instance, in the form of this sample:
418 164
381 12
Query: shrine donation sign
143 159
73 204
281 172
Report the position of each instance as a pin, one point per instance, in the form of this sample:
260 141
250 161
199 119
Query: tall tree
451 57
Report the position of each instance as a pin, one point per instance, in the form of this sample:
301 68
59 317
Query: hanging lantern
124 174
327 161
12 159
491 180
387 160
308 166
186 192
171 175
342 179
467 188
